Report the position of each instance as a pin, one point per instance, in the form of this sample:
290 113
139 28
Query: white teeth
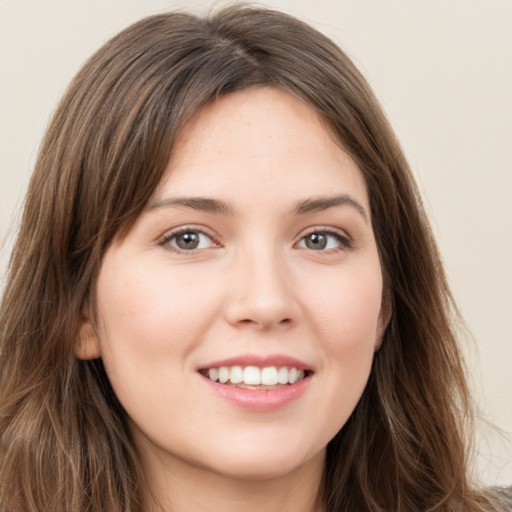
236 375
223 374
282 375
269 376
254 376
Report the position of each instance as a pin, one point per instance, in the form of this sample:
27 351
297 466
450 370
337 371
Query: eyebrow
209 205
323 203
204 204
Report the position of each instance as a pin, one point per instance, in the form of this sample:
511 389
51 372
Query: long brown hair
65 445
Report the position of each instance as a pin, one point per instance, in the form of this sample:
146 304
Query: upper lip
260 361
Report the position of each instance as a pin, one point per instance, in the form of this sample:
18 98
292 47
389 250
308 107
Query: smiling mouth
253 377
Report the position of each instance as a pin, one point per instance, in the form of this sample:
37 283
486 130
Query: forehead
255 137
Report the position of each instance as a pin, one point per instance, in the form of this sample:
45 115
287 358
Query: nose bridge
261 288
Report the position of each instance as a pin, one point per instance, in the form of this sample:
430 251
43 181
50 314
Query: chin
259 464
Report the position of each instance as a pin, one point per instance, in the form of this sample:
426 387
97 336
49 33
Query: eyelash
343 241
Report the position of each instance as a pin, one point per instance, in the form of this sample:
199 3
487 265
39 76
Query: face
238 318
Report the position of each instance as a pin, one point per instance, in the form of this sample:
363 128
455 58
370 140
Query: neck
181 487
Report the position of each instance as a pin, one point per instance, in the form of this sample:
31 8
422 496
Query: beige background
443 70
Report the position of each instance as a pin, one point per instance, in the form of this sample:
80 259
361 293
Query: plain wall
443 71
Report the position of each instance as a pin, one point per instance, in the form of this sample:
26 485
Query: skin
252 286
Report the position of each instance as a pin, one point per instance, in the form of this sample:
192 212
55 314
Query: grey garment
503 497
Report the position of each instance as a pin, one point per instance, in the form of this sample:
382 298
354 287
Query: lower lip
260 400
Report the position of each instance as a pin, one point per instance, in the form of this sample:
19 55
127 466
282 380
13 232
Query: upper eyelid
171 233
188 227
325 229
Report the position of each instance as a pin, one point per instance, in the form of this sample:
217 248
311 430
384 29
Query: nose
261 293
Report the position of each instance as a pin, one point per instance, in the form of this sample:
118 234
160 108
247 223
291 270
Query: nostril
263 323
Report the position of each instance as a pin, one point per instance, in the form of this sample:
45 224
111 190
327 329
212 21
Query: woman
225 292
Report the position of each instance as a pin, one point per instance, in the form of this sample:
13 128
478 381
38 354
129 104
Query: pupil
316 241
188 241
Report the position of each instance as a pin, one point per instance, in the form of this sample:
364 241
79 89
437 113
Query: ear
88 343
386 310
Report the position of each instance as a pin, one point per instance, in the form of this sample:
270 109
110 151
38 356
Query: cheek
152 308
149 322
346 310
347 320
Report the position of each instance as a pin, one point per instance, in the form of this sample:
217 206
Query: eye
188 240
324 240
